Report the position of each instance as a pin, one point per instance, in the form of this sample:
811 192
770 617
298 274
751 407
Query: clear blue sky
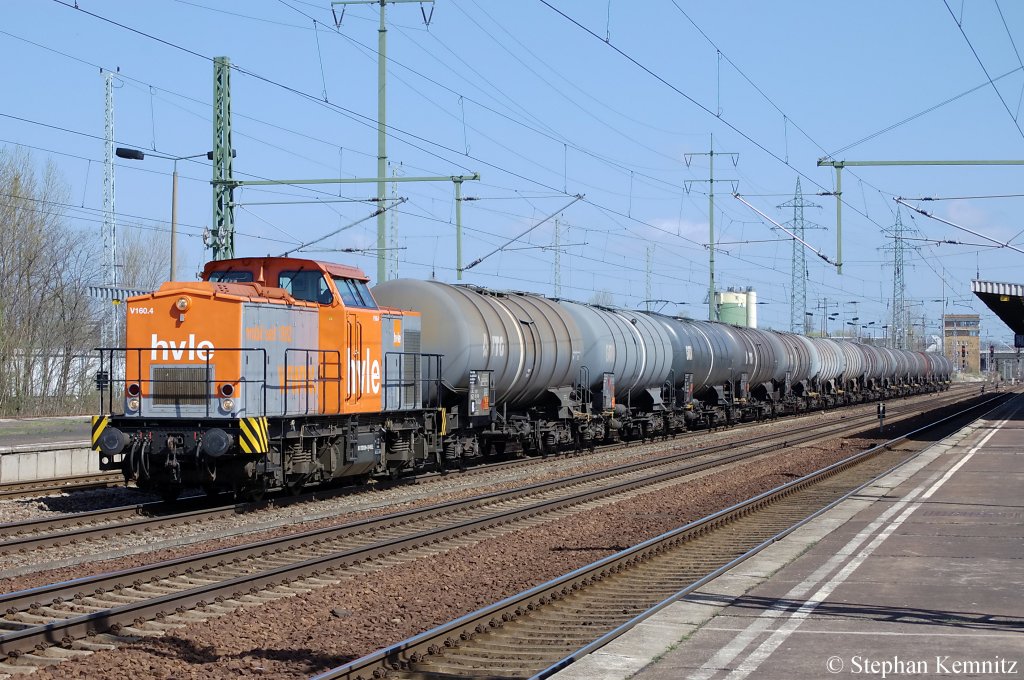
544 110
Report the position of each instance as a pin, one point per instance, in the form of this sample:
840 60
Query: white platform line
766 648
727 654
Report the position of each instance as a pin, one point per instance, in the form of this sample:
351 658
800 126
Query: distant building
962 335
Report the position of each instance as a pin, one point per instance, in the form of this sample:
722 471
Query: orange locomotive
268 372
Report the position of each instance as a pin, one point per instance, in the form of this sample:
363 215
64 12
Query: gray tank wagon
832 360
527 342
553 373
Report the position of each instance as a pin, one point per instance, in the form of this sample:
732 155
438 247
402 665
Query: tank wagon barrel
526 341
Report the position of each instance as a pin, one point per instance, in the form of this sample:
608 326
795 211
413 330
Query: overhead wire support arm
839 165
229 184
376 212
349 180
791 234
577 197
922 211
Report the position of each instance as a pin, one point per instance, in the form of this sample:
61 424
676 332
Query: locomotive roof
342 270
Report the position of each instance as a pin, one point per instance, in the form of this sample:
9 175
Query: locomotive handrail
307 382
359 330
106 390
433 377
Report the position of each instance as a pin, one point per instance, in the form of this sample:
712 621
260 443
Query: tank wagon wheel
577 443
439 461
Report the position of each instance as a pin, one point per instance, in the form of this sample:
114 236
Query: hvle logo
202 350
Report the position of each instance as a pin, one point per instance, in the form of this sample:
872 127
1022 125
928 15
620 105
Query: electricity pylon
798 320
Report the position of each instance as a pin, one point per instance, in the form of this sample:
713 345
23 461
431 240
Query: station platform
919 575
34 449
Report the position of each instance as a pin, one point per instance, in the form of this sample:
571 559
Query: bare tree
47 325
145 257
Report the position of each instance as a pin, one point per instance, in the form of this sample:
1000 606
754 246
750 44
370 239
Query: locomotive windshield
354 293
308 285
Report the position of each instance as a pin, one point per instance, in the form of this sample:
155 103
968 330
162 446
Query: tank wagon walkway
919 575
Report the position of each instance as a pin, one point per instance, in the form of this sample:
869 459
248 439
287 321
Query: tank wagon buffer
268 372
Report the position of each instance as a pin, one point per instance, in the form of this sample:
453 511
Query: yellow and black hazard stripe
99 423
254 435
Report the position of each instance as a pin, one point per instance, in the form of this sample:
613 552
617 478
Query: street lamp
136 155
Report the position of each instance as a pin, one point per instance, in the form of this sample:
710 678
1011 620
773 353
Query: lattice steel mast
109 332
899 288
223 232
798 319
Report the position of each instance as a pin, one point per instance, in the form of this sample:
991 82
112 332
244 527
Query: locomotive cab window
310 286
354 293
238 276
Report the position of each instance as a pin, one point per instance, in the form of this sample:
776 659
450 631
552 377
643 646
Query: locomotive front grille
180 385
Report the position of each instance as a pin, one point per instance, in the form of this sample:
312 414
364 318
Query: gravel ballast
296 636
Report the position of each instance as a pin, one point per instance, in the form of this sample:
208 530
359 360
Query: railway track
104 524
47 623
45 487
542 630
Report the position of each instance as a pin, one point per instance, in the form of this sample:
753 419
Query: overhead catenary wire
999 94
921 211
671 232
705 109
368 121
919 114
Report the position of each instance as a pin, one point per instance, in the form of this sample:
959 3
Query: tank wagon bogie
285 372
